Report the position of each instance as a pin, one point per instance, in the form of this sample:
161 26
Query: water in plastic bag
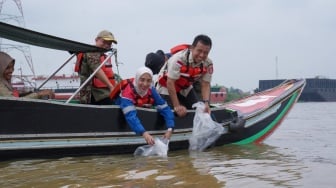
205 131
160 148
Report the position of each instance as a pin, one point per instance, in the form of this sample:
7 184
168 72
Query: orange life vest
188 74
107 69
145 101
178 48
120 86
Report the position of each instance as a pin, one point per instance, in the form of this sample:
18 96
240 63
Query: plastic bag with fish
160 148
205 130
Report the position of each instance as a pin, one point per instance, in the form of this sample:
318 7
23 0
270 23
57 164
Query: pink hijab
5 60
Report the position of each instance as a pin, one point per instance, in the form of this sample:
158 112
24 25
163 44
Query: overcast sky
247 35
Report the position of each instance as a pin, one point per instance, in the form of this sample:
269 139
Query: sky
252 39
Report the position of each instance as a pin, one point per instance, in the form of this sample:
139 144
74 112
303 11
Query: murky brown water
289 158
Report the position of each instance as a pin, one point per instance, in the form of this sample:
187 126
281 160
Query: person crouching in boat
155 61
182 70
6 90
141 93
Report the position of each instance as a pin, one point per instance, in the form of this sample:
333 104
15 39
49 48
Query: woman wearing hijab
140 92
6 70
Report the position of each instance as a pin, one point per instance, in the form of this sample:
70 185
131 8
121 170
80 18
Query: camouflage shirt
90 63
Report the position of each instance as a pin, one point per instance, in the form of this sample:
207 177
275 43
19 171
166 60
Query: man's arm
172 92
179 109
102 77
93 60
205 88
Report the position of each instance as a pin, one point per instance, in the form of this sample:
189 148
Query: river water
300 153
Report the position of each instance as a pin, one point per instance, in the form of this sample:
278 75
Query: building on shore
218 94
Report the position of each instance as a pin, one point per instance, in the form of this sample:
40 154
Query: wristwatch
206 101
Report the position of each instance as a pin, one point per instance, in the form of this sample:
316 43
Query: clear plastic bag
205 131
160 148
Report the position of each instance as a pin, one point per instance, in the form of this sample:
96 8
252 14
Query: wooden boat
45 128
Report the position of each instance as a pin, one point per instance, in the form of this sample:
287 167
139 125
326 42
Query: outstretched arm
133 121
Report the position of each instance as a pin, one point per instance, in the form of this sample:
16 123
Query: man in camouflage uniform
90 62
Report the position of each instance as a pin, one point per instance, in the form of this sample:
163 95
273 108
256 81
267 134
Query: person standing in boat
140 92
6 90
97 91
182 70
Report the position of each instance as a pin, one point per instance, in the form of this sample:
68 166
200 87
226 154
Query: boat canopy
31 37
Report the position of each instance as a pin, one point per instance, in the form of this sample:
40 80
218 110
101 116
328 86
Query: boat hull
37 128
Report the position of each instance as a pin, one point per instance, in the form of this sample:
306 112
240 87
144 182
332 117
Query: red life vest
79 61
188 74
107 69
127 86
15 93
